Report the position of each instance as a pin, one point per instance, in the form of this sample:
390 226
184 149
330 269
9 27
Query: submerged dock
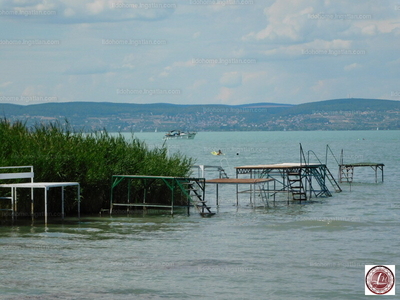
256 184
301 181
346 171
286 181
189 188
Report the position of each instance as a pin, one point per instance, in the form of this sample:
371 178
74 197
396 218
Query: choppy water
299 251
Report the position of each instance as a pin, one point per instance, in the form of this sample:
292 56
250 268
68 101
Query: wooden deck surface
239 180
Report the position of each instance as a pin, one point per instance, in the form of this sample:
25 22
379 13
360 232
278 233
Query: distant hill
107 108
348 104
337 114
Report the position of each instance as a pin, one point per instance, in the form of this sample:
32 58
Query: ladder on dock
333 181
222 173
263 194
322 173
296 186
194 190
346 172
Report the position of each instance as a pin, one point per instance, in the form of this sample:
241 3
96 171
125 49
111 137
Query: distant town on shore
337 114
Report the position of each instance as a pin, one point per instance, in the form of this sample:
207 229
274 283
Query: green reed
59 153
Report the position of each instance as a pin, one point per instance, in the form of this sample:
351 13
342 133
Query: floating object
177 134
217 152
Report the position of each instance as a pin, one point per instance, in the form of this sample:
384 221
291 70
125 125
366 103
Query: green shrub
59 153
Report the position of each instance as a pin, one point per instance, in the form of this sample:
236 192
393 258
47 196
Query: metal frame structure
192 188
347 170
309 175
32 185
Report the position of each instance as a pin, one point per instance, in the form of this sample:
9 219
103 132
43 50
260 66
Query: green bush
59 153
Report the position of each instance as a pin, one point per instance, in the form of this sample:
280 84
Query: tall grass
59 153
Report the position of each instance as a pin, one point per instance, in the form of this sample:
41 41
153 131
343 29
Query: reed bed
59 153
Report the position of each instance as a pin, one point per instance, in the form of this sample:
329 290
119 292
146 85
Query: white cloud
352 66
276 33
225 95
178 64
87 66
196 34
5 84
231 79
96 7
287 21
370 30
77 11
310 49
198 84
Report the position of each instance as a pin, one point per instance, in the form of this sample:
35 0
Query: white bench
23 174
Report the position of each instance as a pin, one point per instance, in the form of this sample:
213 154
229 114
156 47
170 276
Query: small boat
177 134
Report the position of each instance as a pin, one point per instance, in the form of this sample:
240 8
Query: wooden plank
364 164
239 180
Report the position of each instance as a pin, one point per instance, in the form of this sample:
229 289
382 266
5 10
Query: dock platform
346 171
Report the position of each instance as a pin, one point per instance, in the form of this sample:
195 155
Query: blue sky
198 51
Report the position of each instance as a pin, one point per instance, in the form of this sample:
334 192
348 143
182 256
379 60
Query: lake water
312 250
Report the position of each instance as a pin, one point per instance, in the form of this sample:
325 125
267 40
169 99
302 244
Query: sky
198 51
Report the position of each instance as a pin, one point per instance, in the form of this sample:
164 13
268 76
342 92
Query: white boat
177 134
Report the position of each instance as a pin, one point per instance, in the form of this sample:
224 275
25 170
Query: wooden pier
346 170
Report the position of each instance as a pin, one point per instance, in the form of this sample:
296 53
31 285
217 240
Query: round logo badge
379 280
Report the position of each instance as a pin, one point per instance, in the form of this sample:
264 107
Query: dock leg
12 204
32 204
45 206
217 194
237 195
16 202
172 202
79 202
62 202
